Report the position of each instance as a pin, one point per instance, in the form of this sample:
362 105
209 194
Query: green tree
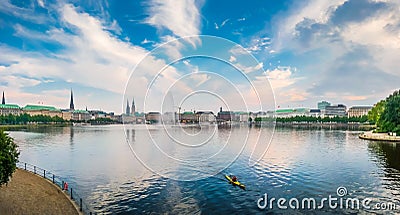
389 120
8 157
375 113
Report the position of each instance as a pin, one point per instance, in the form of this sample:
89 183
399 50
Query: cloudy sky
310 50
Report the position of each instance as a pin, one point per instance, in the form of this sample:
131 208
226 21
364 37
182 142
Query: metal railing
58 181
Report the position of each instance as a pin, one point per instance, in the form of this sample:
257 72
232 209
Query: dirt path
27 193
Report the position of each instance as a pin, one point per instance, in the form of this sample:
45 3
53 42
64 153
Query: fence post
44 173
80 204
25 166
53 178
34 169
72 197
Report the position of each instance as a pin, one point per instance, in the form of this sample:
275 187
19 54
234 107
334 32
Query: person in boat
234 178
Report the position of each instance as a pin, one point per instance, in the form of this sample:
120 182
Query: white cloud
40 3
249 69
91 56
221 25
182 18
281 77
318 10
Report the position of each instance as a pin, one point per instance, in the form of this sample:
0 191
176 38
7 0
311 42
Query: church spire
71 103
3 101
133 107
128 109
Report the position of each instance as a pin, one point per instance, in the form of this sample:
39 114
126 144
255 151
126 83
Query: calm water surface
300 163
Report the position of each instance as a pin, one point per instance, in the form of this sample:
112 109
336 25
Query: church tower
128 109
3 101
71 102
133 108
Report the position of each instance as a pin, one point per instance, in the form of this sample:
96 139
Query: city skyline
310 50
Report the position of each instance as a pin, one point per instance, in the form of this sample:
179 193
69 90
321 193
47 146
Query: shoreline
379 137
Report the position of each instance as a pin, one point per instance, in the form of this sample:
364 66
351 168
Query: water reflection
388 153
299 163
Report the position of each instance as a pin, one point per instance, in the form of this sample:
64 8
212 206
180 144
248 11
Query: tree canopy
8 157
389 120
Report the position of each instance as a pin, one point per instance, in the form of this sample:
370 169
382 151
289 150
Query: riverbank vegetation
386 114
24 119
8 157
313 119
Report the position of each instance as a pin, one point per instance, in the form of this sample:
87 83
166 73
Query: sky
199 55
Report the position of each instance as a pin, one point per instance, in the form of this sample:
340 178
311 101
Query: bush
8 157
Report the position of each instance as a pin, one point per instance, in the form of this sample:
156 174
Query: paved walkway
379 137
27 193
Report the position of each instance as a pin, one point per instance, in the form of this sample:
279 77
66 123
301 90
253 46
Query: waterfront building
34 110
81 115
66 115
225 116
153 117
140 117
6 109
133 108
315 112
358 111
188 117
3 100
128 109
71 102
335 110
95 114
205 117
323 104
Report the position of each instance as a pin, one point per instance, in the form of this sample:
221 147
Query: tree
8 157
375 113
389 120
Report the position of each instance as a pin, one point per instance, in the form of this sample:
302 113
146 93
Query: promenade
379 137
27 193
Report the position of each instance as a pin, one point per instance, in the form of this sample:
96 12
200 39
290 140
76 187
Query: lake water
170 178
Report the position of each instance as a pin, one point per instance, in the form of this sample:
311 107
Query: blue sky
341 51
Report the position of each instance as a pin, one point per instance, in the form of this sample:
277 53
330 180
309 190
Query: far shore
379 137
27 126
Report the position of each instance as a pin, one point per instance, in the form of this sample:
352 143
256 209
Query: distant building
3 100
323 104
284 113
205 117
81 115
153 117
315 112
34 110
141 118
358 111
128 109
335 110
96 114
188 117
6 109
133 108
71 102
225 116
